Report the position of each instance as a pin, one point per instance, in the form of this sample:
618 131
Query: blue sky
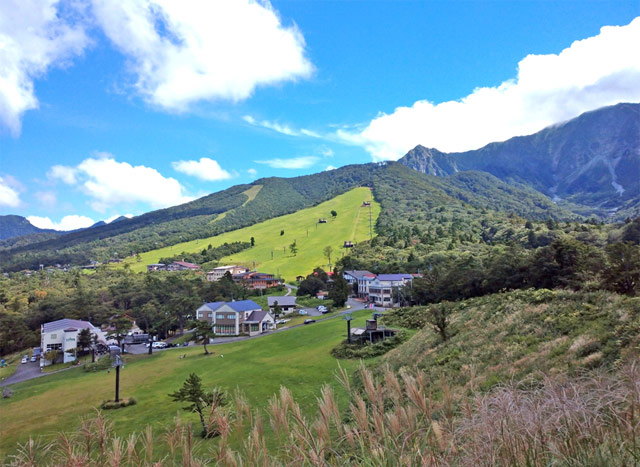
112 108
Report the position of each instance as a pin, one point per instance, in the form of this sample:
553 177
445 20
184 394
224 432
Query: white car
160 345
322 308
25 359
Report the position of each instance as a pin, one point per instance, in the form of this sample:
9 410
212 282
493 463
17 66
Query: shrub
112 405
346 350
102 363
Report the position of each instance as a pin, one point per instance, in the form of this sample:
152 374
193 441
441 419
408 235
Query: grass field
298 358
271 252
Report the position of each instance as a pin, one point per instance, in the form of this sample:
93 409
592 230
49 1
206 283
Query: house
299 278
348 244
156 267
62 335
362 278
218 273
382 288
287 303
235 318
183 266
256 280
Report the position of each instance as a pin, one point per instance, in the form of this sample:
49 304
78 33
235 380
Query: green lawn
351 223
298 358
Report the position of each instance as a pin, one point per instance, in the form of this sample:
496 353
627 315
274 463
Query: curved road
31 370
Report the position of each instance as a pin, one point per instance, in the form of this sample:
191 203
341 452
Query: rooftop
284 300
66 323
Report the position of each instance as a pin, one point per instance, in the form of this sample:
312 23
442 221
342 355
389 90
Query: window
54 347
231 316
254 327
54 336
220 316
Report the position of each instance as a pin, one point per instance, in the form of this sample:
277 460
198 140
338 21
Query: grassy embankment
271 252
298 358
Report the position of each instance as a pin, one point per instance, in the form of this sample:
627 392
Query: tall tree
293 248
204 332
198 400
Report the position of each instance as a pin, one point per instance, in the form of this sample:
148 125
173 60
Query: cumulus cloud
72 222
64 173
33 38
591 73
8 195
110 182
330 167
303 162
184 52
252 172
205 169
280 128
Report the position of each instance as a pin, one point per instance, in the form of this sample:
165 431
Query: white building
235 318
362 278
218 273
62 335
381 289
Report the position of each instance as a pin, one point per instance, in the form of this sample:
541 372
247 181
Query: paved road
32 369
24 372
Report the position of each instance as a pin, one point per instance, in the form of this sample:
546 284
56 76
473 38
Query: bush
112 405
346 350
102 363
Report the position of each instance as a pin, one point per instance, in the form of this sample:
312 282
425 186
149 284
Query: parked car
309 321
302 312
34 359
160 345
322 308
25 359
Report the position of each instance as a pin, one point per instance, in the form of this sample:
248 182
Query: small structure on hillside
348 244
366 204
372 333
322 221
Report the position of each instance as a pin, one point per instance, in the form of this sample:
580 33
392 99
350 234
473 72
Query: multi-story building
218 273
382 288
256 280
235 318
362 278
62 335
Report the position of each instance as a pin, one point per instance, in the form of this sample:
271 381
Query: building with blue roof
235 318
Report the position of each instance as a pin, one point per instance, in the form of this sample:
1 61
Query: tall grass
391 419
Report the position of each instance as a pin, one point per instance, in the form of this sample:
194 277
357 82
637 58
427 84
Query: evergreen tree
198 400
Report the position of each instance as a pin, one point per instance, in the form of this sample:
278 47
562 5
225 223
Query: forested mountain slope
592 161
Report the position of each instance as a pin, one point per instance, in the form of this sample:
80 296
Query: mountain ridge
591 161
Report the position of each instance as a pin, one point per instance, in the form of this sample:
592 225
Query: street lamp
348 317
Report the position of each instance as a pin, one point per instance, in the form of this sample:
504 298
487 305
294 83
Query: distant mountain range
590 164
16 226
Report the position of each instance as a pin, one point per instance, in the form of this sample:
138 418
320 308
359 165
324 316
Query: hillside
258 367
351 223
592 161
519 334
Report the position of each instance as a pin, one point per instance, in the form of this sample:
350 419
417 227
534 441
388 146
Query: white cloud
204 169
46 198
330 167
110 182
72 222
34 36
280 128
184 52
64 173
8 195
591 73
326 152
252 172
303 162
